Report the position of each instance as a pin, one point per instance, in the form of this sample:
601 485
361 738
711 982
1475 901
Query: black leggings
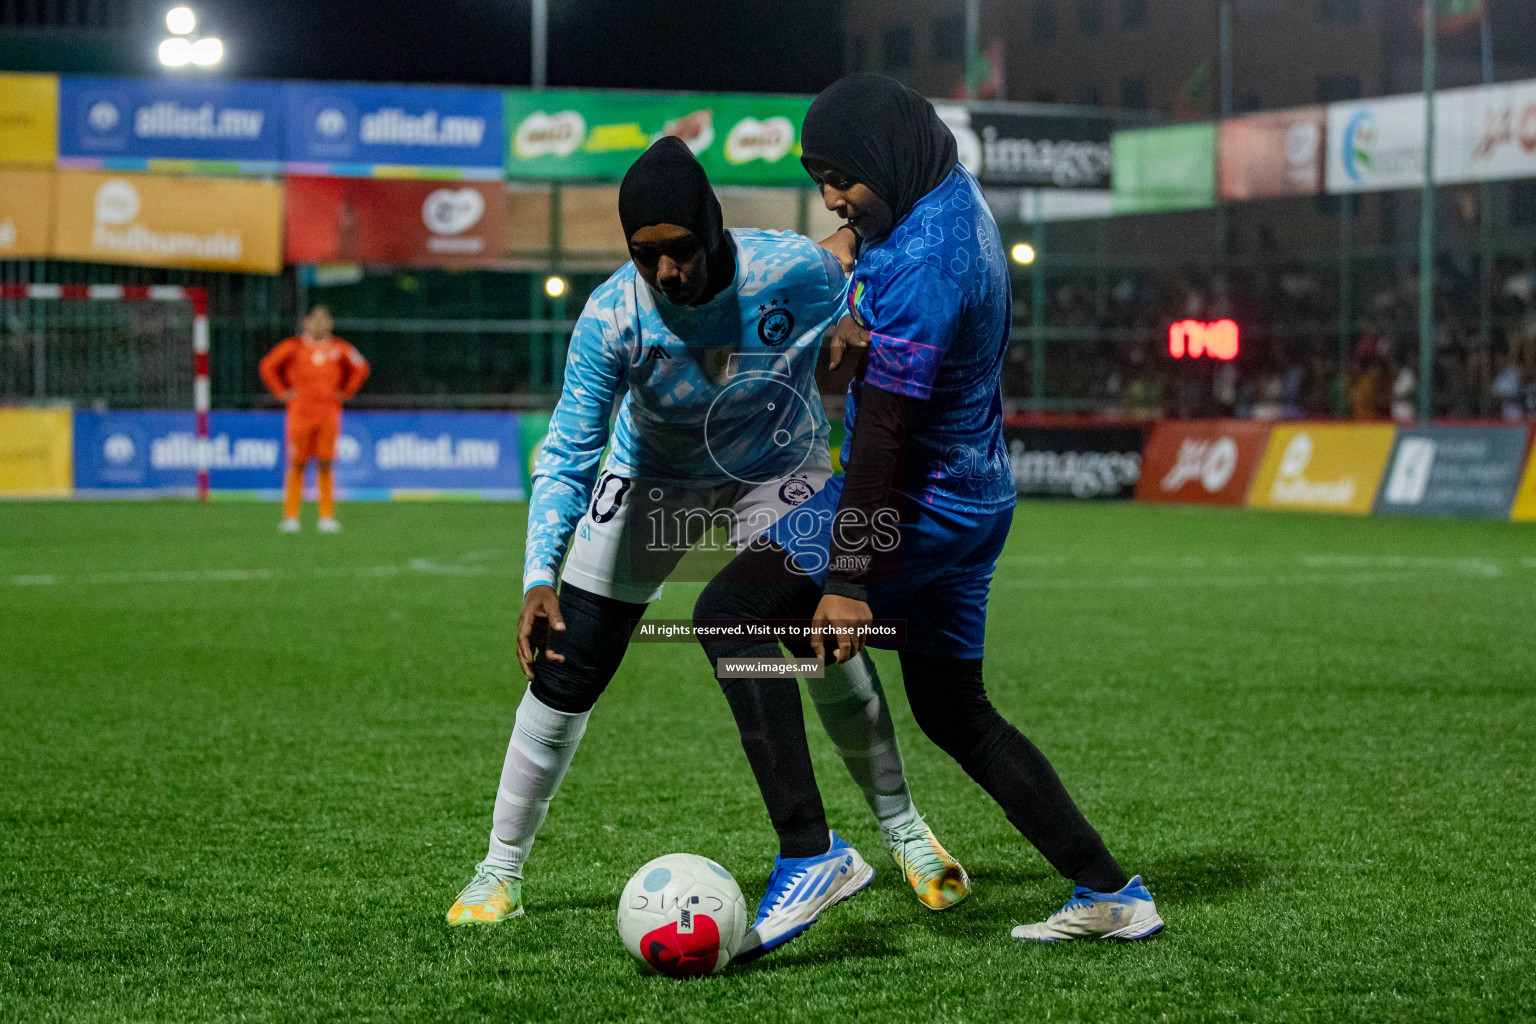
597 631
948 700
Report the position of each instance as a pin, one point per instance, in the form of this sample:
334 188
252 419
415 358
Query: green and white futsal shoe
937 878
489 898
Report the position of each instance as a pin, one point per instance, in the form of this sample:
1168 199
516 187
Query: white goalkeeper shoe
288 526
328 526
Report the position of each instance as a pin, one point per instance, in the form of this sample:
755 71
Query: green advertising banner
740 139
1165 168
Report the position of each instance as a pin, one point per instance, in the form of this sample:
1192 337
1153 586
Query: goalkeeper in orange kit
314 374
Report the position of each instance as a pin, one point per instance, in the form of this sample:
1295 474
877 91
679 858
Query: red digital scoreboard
1194 339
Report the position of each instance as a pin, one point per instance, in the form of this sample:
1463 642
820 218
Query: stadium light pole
540 62
972 46
1427 220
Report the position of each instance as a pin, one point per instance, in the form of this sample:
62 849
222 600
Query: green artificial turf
243 775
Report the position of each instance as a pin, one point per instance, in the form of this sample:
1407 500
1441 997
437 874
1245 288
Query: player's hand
287 396
850 617
340 397
541 613
848 335
844 244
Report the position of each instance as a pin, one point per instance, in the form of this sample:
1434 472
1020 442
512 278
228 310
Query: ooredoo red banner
1279 153
1205 462
383 220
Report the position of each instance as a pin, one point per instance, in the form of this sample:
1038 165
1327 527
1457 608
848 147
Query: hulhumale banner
379 455
168 221
1453 471
393 131
156 124
1322 467
740 139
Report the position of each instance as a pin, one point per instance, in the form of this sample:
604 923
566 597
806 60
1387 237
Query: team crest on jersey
795 490
776 324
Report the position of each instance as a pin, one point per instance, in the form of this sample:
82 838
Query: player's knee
718 600
949 704
324 464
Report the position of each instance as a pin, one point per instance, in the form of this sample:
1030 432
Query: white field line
421 566
1258 580
1334 569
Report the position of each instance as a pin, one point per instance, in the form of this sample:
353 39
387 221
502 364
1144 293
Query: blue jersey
935 297
718 393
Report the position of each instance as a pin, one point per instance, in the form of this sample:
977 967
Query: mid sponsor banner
1030 150
159 452
202 223
393 131
1486 133
1376 144
26 204
1075 462
417 223
1280 153
1170 168
437 452
35 456
1322 467
740 139
378 455
1204 462
1470 472
29 119
159 124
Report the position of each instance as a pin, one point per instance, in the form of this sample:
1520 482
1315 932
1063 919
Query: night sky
735 45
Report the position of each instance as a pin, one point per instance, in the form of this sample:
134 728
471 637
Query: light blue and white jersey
719 393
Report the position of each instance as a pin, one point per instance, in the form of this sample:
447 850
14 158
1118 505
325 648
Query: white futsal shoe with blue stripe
799 889
1125 916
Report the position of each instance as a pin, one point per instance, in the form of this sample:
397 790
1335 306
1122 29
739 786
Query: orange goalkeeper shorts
312 438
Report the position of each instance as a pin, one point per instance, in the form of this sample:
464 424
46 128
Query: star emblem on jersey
776 323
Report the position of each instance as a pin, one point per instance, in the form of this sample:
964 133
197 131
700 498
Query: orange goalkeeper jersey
321 375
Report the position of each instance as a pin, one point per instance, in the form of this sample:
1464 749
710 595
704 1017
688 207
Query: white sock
851 705
543 743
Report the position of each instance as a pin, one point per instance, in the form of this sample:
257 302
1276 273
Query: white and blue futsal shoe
1126 915
799 889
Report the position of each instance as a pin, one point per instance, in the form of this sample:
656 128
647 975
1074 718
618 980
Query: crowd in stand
1109 348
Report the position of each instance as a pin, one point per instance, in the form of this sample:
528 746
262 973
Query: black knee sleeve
756 586
950 704
596 636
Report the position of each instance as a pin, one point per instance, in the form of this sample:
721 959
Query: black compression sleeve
877 456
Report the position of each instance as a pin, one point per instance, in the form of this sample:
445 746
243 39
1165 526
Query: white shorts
636 530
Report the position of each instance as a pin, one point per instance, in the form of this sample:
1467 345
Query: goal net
107 347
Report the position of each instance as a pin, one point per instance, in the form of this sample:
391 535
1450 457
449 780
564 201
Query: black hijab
882 135
667 186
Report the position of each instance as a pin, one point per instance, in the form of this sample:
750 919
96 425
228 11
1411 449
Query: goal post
196 298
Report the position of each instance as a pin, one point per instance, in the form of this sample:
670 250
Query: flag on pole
1455 15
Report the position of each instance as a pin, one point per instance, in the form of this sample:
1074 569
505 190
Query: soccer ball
682 915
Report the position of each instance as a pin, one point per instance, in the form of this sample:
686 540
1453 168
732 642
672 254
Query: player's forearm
554 509
877 454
